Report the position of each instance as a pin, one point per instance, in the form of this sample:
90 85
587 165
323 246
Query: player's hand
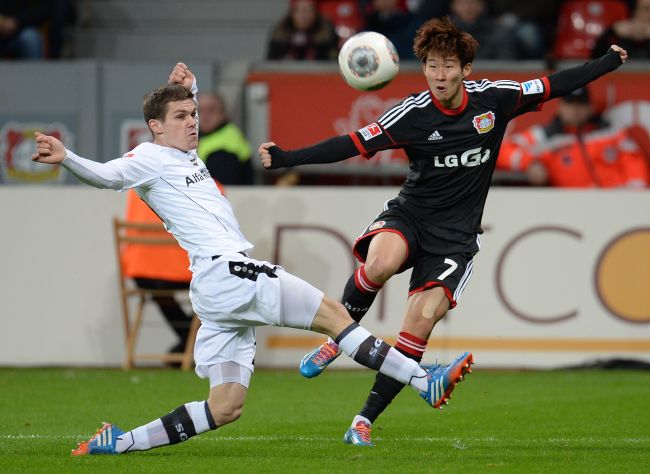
265 155
48 150
621 52
181 75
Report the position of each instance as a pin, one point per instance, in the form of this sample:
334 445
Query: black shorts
435 260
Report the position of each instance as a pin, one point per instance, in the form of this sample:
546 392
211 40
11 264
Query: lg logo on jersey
469 158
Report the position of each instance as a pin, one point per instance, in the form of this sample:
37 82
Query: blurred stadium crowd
577 149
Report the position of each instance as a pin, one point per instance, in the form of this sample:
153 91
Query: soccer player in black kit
451 133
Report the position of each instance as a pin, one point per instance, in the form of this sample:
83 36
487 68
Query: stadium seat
147 234
581 22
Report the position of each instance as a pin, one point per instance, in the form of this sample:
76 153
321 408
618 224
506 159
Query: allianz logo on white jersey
435 136
468 158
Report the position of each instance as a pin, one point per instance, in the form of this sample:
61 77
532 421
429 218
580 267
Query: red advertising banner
306 107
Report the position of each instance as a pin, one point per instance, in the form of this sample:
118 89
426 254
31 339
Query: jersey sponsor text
196 177
469 159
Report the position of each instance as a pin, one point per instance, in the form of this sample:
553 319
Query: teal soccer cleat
358 435
315 362
102 442
443 379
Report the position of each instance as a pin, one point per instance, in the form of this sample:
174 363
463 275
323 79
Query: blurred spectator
222 145
427 9
345 15
577 149
303 34
395 22
532 24
61 14
632 34
472 16
20 20
32 29
158 268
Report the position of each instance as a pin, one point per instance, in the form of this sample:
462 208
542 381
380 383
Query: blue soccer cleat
102 442
315 362
442 379
358 435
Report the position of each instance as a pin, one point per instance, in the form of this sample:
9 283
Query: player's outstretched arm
51 151
567 80
328 151
48 150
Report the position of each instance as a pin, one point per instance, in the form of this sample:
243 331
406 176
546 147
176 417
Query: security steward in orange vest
577 149
158 268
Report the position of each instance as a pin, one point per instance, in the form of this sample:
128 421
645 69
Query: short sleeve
516 98
392 129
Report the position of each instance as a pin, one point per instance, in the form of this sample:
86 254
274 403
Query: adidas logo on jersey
435 136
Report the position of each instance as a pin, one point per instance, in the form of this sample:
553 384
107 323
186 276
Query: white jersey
178 187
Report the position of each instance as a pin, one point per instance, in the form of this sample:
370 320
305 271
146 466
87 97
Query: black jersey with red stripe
452 153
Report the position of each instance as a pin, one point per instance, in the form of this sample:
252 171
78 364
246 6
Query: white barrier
562 277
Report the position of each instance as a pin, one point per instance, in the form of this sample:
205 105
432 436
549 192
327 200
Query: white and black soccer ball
368 61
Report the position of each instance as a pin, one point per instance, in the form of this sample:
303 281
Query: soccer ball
368 61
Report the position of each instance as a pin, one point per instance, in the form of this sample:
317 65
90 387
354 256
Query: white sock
359 418
405 370
374 353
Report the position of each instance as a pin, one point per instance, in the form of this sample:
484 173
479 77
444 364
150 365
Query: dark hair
155 102
441 37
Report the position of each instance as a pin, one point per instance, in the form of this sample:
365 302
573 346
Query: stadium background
562 278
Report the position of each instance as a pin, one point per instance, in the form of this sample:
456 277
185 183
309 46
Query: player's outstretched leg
443 379
369 351
315 361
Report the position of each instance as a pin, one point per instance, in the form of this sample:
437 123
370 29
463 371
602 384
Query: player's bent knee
380 268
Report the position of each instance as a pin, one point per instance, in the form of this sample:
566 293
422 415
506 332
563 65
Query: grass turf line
559 421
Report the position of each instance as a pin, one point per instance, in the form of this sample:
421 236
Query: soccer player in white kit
230 292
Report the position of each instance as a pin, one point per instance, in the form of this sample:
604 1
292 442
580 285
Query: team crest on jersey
370 131
484 123
376 225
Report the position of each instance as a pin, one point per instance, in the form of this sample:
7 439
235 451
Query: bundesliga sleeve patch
532 87
370 131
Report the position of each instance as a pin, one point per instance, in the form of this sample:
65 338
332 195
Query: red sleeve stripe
357 143
547 87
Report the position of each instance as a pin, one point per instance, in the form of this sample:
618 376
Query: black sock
359 293
383 392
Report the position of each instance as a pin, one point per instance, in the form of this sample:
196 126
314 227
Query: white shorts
233 294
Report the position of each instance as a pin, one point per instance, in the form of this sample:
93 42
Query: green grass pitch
498 421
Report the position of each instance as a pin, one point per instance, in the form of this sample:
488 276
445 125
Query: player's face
445 78
179 129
